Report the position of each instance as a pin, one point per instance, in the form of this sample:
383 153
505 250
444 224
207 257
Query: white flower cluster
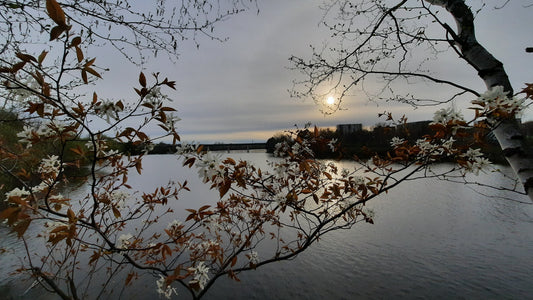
186 148
119 197
206 246
396 141
253 257
50 165
447 115
101 148
212 224
359 180
173 225
496 99
108 110
123 241
476 162
43 130
163 289
171 121
16 192
155 98
280 198
200 274
209 168
23 95
429 149
280 149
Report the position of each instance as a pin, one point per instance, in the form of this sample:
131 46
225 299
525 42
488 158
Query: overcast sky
237 91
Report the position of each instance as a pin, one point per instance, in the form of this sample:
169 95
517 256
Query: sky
237 90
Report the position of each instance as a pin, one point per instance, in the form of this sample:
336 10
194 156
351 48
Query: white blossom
200 274
173 225
478 164
25 135
445 115
497 99
40 187
492 95
50 165
185 148
163 289
212 223
280 198
209 168
473 153
171 121
448 144
253 257
108 110
332 145
119 197
123 241
16 192
396 141
23 95
359 180
280 149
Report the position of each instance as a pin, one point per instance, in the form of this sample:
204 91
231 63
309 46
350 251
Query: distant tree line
368 142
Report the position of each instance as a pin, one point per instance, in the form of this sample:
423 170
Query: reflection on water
431 239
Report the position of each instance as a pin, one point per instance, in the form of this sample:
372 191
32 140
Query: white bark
491 70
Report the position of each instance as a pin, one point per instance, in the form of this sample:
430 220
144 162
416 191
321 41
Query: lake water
431 239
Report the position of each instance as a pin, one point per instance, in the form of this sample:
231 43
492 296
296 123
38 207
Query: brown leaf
92 71
138 166
116 212
84 76
41 57
142 79
79 54
16 67
224 188
55 12
75 42
25 57
56 32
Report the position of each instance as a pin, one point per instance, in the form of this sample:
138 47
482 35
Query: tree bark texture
492 71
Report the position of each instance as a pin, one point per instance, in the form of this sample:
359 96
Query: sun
330 100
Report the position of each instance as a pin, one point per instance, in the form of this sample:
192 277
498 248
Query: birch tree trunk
491 70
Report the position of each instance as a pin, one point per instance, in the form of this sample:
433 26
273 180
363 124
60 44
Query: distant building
344 129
